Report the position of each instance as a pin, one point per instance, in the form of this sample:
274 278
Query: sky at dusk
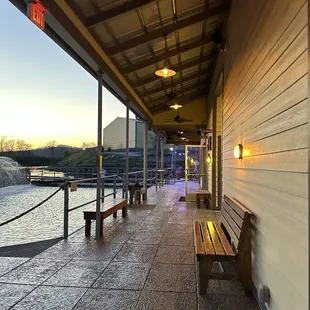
44 94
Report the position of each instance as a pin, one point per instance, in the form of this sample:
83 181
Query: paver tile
172 278
97 299
51 298
151 300
123 275
35 271
78 273
10 294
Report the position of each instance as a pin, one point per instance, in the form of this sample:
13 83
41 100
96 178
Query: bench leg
205 267
205 201
87 228
198 202
124 211
115 214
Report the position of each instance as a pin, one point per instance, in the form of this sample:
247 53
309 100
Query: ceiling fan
179 119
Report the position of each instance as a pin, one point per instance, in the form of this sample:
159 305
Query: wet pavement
145 261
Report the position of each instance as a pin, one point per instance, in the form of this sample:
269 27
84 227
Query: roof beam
187 78
185 65
121 9
157 33
161 57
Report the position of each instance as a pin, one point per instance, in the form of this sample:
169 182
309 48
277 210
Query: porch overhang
126 41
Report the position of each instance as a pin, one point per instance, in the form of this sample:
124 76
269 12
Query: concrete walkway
145 261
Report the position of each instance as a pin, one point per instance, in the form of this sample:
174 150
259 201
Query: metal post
174 165
99 156
102 190
127 149
162 145
156 150
66 209
145 157
114 187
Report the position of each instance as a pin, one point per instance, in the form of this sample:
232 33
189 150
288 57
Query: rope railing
31 209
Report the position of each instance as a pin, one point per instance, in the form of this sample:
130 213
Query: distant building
114 135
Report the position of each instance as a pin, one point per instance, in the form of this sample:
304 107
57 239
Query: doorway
195 170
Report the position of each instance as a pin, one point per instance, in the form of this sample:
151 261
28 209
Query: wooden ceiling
132 34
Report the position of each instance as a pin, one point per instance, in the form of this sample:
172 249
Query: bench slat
206 239
198 239
231 223
236 206
215 239
233 237
226 245
107 209
235 216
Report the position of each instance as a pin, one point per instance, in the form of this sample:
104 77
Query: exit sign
35 12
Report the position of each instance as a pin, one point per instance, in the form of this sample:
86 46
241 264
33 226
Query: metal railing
68 184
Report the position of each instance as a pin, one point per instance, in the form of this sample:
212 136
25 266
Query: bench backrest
236 220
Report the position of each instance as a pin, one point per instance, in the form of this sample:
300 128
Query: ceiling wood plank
185 65
157 33
121 9
160 57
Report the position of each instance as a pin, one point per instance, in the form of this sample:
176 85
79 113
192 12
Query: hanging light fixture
176 106
166 70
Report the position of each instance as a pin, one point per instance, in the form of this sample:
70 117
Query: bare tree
52 144
9 146
2 142
89 145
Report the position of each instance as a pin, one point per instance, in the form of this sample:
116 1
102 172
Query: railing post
114 187
123 186
66 209
156 180
102 190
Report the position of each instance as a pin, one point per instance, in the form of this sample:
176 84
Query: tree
2 143
52 144
88 145
9 146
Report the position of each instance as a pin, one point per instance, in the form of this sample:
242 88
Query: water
11 173
45 222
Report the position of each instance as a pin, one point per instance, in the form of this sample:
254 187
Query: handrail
91 179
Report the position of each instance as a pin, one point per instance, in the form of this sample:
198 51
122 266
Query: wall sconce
209 159
238 151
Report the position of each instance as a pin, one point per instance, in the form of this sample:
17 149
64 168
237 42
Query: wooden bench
107 208
203 194
138 193
228 240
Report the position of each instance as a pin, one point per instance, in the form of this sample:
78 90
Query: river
45 222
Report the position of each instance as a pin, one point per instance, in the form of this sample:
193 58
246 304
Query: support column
145 157
99 156
162 146
127 150
156 150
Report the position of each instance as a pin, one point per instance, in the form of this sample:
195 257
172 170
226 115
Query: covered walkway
145 261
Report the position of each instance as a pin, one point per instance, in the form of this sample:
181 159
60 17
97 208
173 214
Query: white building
114 135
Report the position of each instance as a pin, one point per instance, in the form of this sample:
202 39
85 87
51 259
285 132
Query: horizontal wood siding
265 108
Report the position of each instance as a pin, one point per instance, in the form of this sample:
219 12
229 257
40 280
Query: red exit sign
35 12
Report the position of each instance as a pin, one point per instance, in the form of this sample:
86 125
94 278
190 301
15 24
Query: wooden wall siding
209 167
219 121
265 108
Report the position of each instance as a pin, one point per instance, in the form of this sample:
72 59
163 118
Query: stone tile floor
145 261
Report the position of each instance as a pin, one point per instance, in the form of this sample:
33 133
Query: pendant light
174 104
166 70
